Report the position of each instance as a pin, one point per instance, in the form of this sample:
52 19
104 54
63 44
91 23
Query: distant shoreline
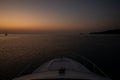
114 32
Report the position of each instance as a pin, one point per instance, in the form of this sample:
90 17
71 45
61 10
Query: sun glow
56 15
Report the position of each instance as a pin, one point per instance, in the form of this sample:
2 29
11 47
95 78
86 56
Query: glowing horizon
57 15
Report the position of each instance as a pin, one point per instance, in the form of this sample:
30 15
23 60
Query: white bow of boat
62 68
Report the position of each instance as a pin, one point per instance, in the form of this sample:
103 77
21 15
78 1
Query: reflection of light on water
2 36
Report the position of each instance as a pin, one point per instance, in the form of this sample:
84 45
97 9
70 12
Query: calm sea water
22 53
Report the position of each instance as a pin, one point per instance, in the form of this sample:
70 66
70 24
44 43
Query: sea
20 54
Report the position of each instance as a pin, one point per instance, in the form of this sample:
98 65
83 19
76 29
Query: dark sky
83 15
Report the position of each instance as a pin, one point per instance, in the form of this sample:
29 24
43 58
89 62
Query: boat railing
91 66
86 62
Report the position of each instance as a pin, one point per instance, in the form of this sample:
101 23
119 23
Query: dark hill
116 31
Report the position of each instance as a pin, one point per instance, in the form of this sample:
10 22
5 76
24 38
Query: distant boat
63 69
6 34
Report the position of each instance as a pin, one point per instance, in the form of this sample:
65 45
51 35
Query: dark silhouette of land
115 31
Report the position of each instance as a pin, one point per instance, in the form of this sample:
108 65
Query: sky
40 15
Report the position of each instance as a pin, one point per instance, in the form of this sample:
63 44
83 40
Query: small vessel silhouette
6 34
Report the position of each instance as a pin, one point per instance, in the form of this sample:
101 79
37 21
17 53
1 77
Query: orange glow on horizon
23 22
26 20
40 15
